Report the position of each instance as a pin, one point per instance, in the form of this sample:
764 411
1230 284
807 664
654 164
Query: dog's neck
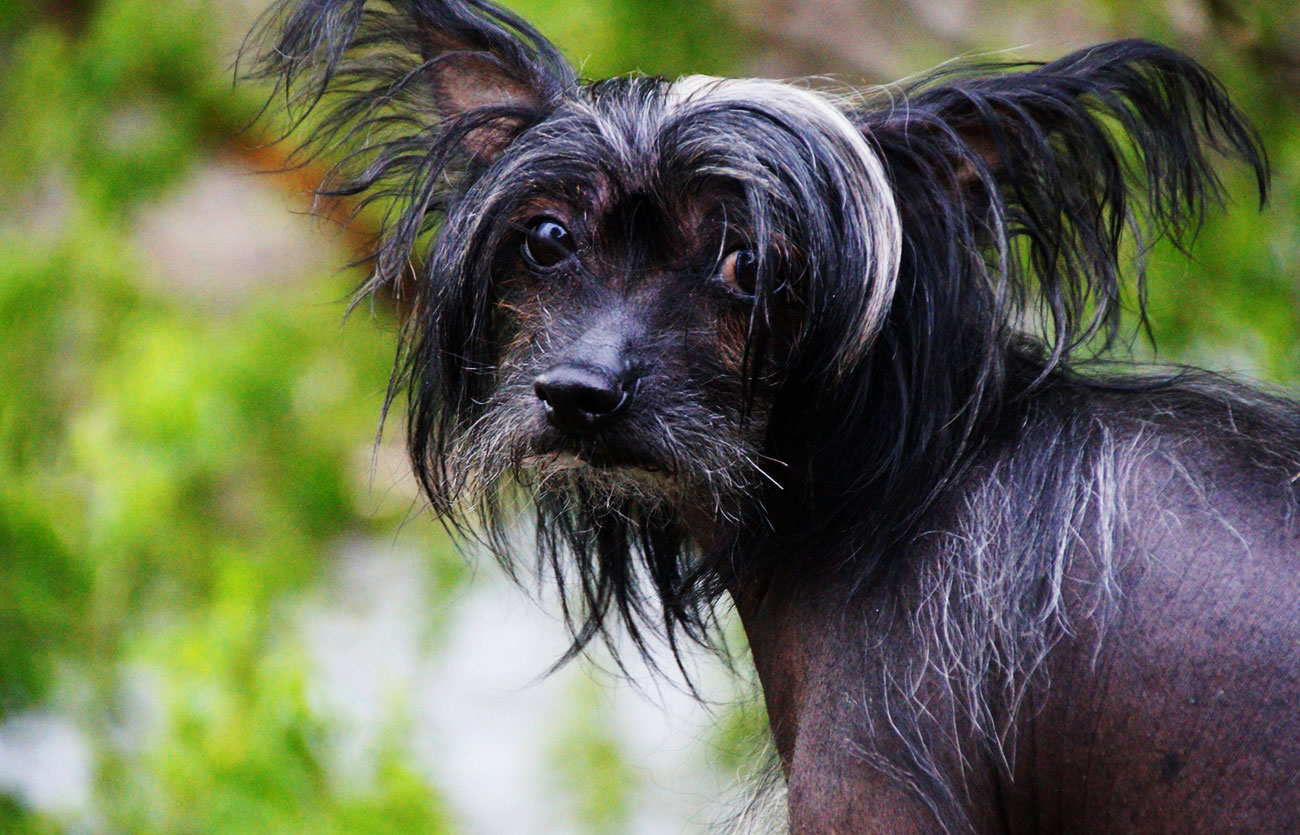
775 632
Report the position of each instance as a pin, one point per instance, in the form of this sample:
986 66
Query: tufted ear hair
447 59
412 99
481 58
1026 178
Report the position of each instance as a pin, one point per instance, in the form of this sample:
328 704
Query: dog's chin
599 465
615 468
596 466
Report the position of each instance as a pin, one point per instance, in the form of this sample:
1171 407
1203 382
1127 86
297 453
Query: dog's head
670 312
622 287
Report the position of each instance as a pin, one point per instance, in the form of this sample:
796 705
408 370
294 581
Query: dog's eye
739 272
547 244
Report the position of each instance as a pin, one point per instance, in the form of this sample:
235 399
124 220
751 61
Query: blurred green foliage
173 476
169 475
1234 300
592 771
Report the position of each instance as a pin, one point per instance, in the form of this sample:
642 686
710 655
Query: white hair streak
874 204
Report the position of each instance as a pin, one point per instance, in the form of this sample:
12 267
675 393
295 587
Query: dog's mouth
598 471
644 456
562 453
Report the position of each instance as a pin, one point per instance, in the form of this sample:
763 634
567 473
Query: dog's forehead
652 135
764 160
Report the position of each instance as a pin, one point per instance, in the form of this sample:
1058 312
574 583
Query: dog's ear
1010 181
409 100
481 59
468 67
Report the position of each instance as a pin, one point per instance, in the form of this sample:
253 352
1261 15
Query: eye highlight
739 272
547 244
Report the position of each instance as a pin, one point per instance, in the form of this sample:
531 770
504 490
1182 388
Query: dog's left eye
547 244
739 272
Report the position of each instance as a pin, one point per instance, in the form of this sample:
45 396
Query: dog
840 362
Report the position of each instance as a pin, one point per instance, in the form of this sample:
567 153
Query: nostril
579 398
599 401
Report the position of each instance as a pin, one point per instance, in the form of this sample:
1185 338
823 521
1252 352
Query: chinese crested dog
838 361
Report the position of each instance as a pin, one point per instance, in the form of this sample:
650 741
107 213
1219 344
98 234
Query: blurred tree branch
72 15
1274 53
871 38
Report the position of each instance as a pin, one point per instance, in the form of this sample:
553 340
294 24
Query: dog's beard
699 462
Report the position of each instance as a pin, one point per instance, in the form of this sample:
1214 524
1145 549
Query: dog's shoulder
1158 524
1198 427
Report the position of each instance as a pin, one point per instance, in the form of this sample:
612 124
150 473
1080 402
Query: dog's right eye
547 244
739 273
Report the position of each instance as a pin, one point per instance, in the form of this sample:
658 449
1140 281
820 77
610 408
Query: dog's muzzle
580 399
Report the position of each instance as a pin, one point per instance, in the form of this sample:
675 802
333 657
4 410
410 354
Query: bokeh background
222 609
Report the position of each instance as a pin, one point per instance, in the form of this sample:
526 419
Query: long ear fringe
1018 183
1018 187
365 75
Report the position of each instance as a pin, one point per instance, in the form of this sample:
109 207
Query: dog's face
615 284
639 270
672 311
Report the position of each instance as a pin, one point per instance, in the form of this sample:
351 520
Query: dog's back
1097 631
1184 714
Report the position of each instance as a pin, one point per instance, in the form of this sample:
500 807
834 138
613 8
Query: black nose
582 398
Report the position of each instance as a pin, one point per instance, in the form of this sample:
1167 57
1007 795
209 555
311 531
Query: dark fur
956 469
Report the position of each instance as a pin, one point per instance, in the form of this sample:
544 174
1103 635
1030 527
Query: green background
187 460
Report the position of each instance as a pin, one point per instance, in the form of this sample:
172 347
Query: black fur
1020 190
849 444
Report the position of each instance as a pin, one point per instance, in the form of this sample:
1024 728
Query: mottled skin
1183 716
